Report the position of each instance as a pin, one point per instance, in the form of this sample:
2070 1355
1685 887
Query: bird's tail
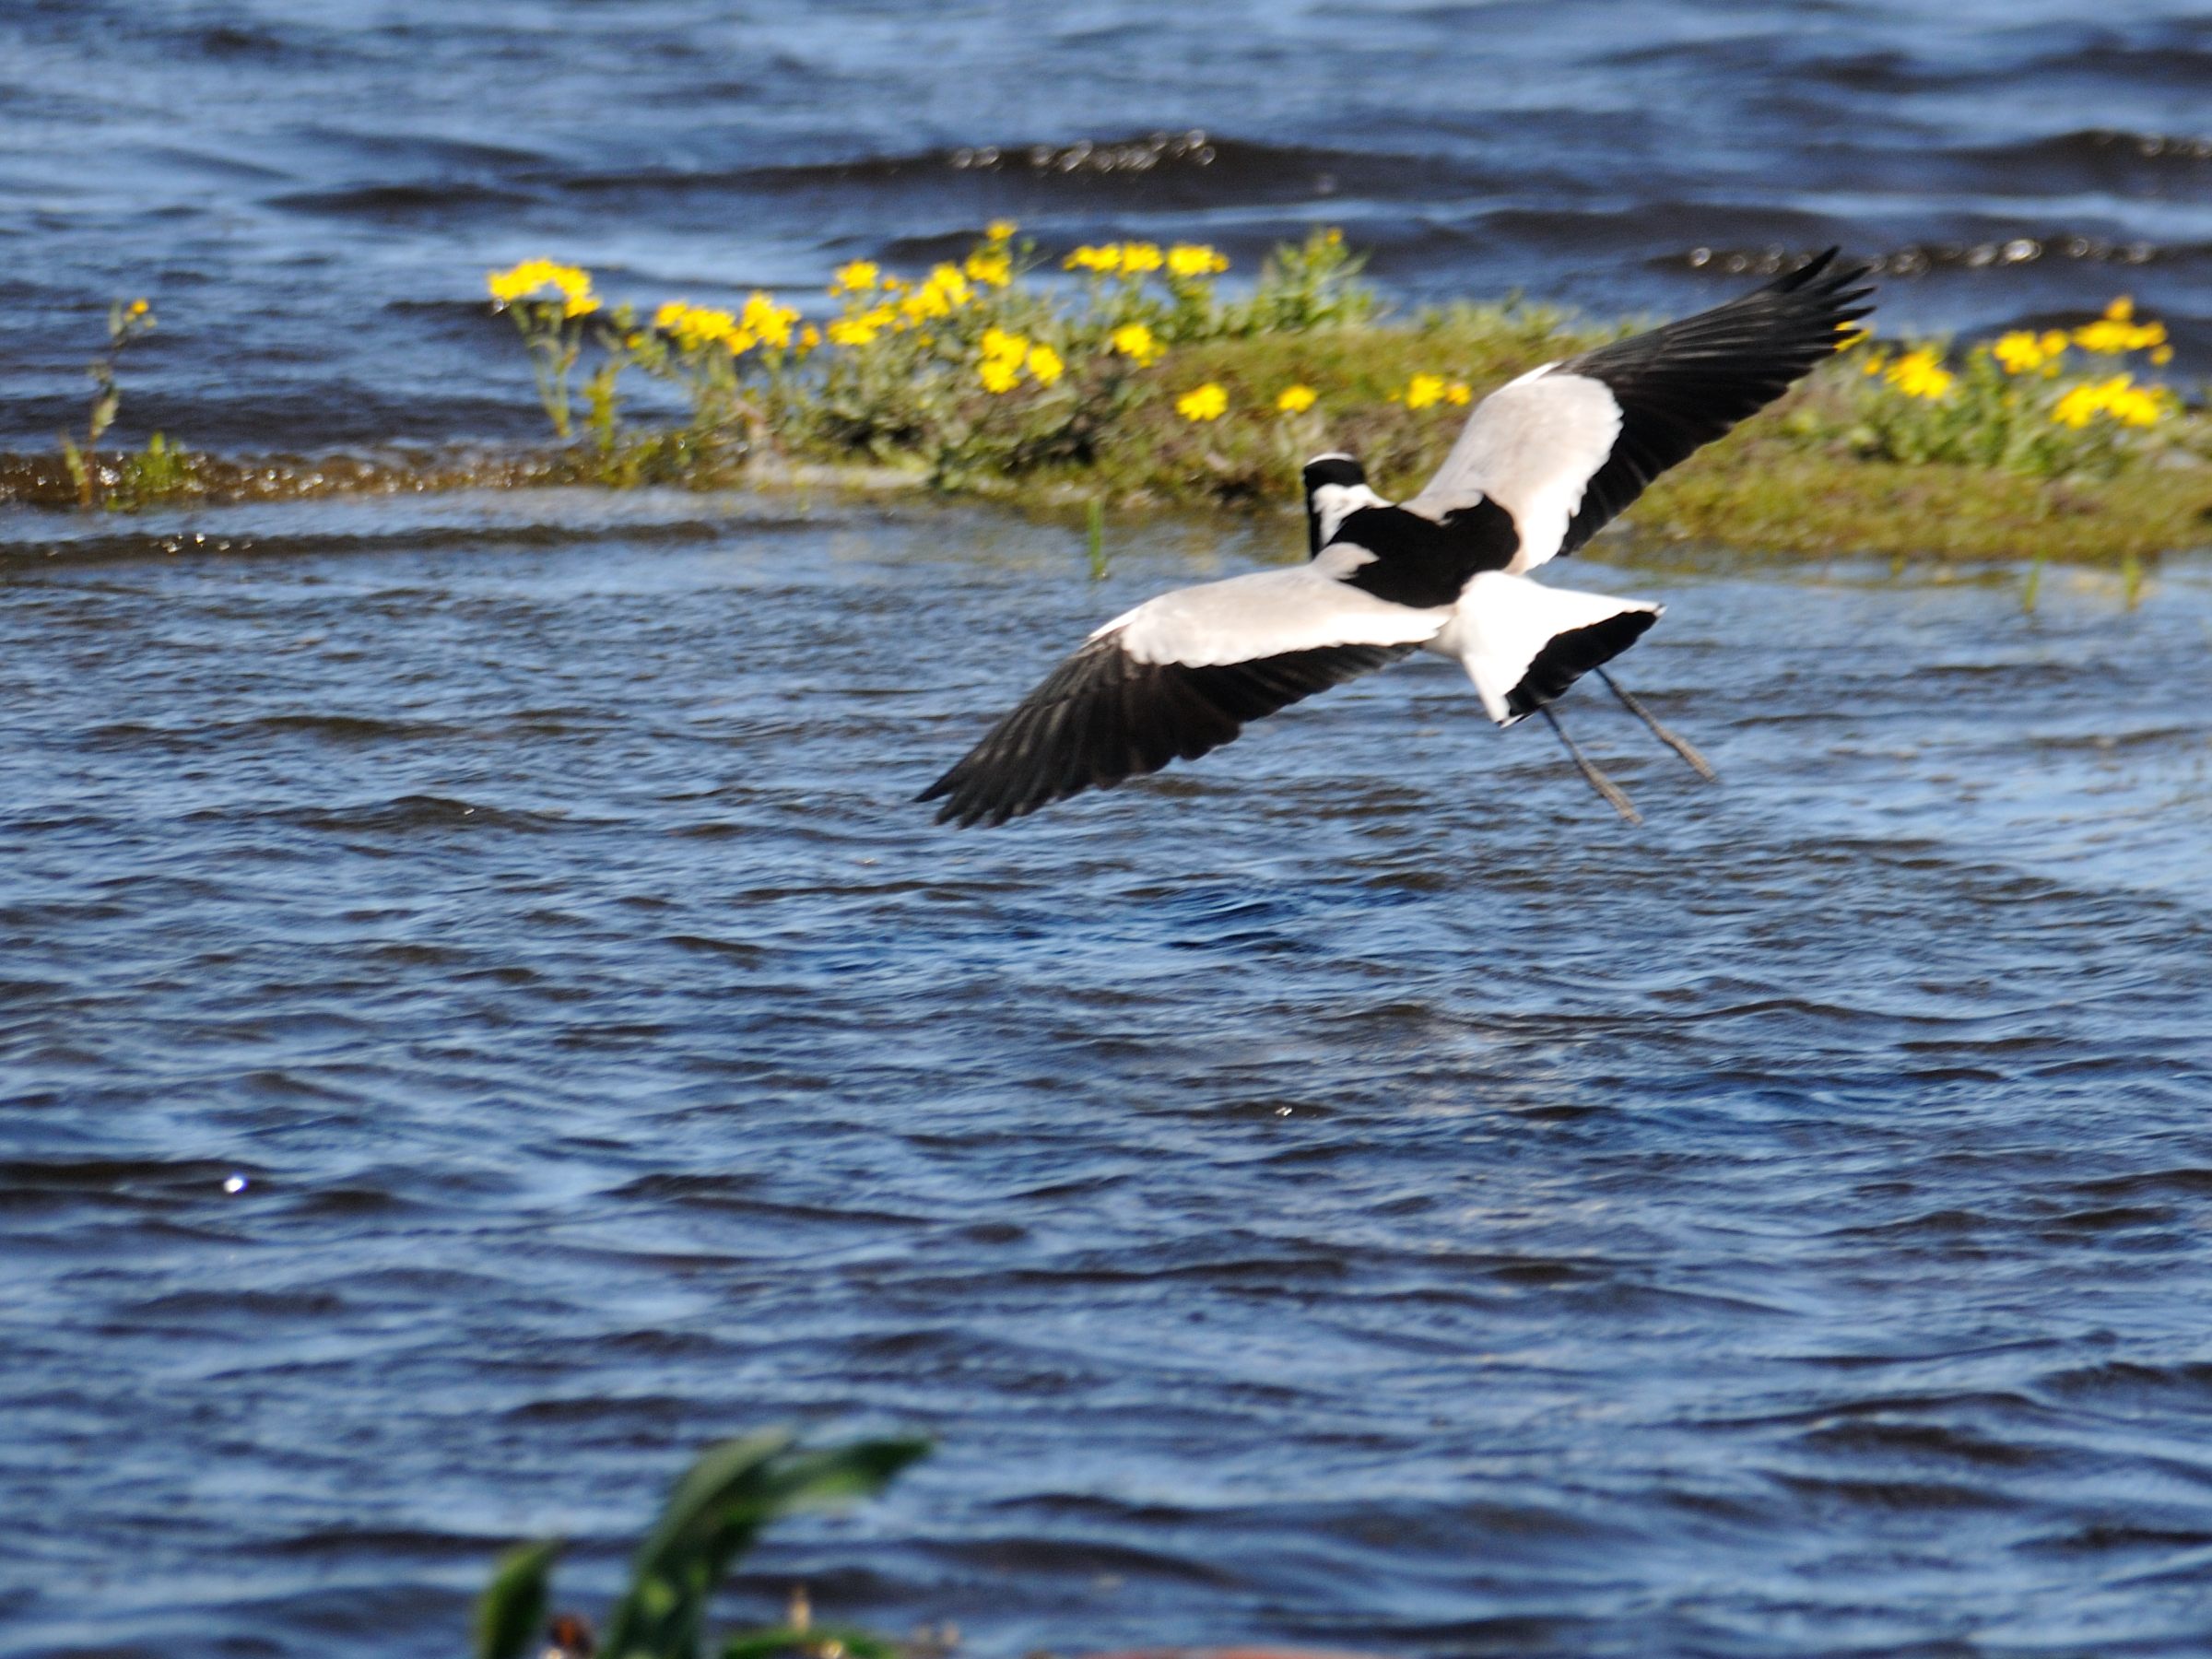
1524 643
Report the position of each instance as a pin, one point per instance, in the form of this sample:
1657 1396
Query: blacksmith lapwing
1543 461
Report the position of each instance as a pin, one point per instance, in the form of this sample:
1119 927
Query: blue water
1353 1190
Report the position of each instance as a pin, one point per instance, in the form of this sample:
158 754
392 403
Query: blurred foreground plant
125 322
716 1513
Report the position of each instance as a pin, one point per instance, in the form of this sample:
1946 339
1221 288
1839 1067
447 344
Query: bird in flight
1542 464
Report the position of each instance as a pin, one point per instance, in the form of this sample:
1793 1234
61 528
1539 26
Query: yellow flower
1045 364
1106 259
1194 259
1135 340
2161 355
992 270
926 301
1002 356
1874 363
1209 402
999 230
1921 374
764 319
1295 400
697 325
138 308
1459 392
851 331
2117 331
2120 397
1423 390
533 277
1140 257
2019 352
859 278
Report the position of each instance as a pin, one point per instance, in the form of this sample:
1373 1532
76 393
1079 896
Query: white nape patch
1333 503
1531 446
1270 612
1502 622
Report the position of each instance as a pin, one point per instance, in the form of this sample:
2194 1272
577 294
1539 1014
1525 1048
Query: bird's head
1336 484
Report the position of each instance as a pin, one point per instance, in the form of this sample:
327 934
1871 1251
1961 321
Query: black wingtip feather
1681 385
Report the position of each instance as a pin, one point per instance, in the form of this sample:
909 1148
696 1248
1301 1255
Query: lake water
311 191
1354 1188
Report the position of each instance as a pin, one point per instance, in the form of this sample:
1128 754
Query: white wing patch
1531 446
1268 614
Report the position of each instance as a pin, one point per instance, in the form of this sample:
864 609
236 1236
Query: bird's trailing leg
1598 780
1681 746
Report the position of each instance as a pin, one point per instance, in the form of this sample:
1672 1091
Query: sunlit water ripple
1354 1190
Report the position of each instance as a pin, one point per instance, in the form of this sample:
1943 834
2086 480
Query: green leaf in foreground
513 1608
714 1515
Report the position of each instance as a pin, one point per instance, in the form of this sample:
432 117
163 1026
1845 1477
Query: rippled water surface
1353 1190
311 189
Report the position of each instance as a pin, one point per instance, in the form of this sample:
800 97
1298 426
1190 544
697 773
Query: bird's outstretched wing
1177 676
1569 445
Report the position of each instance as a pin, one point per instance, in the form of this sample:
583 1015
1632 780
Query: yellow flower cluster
1185 260
993 264
761 322
535 276
1423 390
1295 400
1209 402
1920 374
2120 397
909 305
2022 352
2117 331
1005 355
994 267
1137 343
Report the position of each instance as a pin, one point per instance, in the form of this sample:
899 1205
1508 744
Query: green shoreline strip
1145 390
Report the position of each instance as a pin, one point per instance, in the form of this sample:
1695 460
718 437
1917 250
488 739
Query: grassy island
1132 380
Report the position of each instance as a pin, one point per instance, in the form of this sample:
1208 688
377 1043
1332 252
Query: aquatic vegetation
2047 404
716 1513
1118 371
549 303
126 323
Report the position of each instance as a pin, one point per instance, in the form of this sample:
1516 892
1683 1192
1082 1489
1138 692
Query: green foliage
1094 523
716 1513
125 324
1314 284
514 1606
